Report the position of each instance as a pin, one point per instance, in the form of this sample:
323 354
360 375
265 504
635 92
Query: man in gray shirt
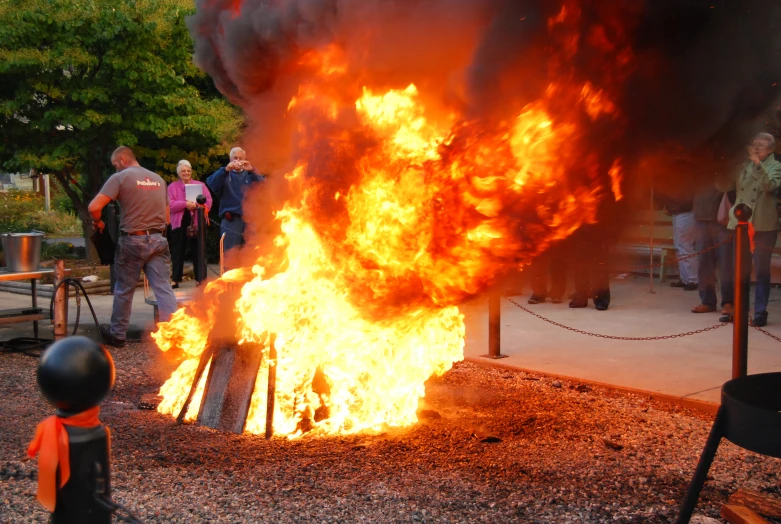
143 198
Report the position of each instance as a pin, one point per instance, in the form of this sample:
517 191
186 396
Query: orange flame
362 291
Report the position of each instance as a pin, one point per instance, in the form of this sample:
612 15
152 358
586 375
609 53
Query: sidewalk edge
684 402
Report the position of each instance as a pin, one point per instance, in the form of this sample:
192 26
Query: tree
80 77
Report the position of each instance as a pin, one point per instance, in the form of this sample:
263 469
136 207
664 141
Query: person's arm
217 180
177 205
109 192
769 178
96 208
167 214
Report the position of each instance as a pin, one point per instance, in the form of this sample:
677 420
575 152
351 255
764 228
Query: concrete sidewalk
693 367
690 368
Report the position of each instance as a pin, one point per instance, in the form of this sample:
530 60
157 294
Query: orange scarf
51 440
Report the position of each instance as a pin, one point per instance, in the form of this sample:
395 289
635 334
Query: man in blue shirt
230 184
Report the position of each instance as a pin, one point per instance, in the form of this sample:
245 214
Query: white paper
192 191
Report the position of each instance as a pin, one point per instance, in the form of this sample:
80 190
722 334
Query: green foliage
61 251
80 77
22 211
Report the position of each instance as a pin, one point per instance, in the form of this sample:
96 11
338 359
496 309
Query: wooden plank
740 515
216 387
759 502
239 389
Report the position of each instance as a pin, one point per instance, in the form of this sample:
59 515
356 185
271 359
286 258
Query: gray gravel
491 446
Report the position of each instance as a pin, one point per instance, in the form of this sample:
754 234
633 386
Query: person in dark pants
230 184
549 263
591 273
145 214
713 242
184 224
756 184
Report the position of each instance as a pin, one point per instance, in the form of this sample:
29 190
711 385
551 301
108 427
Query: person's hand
753 156
191 205
98 226
230 167
247 166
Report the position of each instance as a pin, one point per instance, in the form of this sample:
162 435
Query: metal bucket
22 251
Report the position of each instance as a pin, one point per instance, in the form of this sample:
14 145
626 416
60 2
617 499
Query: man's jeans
715 261
134 253
684 238
233 231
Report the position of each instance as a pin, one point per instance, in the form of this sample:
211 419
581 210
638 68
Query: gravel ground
492 446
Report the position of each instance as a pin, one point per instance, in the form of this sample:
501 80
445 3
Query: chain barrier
120 512
614 337
10 472
774 337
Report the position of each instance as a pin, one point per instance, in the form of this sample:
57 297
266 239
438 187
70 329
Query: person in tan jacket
756 184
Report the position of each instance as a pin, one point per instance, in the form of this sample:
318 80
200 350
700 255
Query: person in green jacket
756 184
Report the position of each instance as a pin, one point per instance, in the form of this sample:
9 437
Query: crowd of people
158 226
703 228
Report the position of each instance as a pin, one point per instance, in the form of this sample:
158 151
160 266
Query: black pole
742 284
200 276
74 375
701 473
89 455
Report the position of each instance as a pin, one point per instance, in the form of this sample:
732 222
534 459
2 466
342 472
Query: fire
429 208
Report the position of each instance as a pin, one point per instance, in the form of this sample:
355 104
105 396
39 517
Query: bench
662 255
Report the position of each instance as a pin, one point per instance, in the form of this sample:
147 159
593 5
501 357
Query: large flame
362 290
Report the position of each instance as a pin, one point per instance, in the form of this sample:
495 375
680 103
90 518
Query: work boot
110 340
578 301
536 299
704 308
727 309
760 319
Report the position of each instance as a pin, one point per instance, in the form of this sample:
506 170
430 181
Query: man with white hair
756 184
229 184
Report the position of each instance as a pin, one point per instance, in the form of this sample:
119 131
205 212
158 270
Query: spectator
553 263
591 272
143 199
229 184
681 209
714 243
184 224
756 183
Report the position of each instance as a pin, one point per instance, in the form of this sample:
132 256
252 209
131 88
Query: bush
61 251
22 211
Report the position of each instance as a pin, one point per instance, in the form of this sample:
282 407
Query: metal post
47 202
200 273
651 243
60 320
494 326
701 473
742 283
272 385
89 452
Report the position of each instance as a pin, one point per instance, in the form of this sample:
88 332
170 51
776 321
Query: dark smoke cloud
705 70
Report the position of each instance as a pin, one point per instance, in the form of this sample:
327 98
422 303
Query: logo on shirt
147 183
